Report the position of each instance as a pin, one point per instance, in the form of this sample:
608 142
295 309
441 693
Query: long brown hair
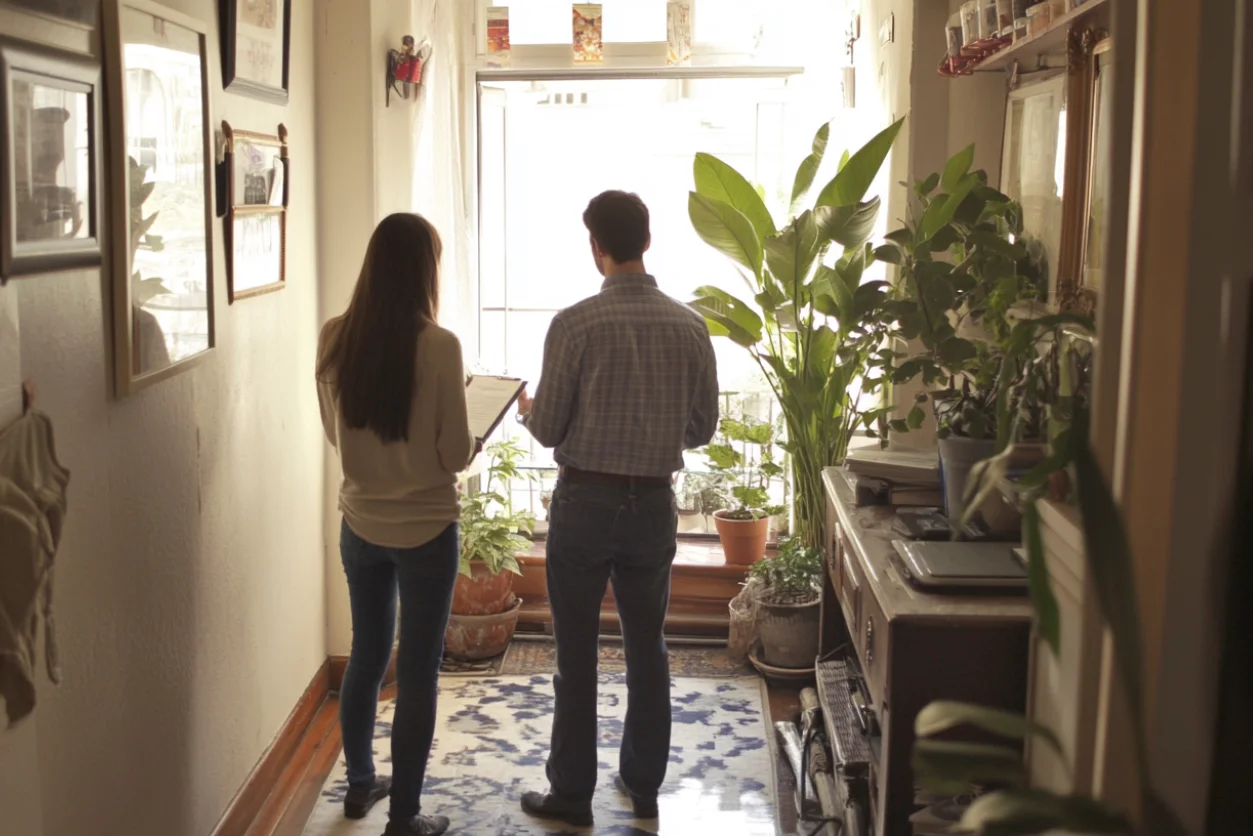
371 353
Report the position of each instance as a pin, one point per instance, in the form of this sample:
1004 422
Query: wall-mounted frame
161 174
256 48
256 221
50 161
1091 65
84 12
1032 163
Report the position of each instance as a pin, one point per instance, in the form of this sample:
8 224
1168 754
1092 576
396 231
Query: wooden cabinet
912 647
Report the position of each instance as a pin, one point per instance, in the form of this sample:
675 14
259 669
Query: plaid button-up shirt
629 382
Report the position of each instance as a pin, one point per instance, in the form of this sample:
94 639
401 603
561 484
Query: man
629 382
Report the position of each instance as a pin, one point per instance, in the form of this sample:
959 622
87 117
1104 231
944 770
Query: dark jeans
424 577
601 532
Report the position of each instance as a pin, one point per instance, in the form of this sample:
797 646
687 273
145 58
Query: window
547 147
540 22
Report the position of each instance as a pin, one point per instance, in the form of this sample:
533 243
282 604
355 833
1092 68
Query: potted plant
701 495
810 323
484 608
743 528
965 274
788 605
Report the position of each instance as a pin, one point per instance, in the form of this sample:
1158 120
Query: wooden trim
252 796
337 665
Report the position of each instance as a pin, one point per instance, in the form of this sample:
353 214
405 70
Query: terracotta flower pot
743 541
484 593
470 638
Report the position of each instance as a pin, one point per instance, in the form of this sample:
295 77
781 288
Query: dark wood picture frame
241 212
52 69
1083 46
231 78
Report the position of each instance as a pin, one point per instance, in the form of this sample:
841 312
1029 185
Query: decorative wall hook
404 67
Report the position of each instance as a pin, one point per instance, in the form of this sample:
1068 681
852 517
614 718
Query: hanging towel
32 513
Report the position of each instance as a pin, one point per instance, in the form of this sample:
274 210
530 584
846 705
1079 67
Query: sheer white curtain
443 186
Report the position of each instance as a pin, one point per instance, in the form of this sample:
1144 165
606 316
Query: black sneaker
361 800
418 826
645 806
548 806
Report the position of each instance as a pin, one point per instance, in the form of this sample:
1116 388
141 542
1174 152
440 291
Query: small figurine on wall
404 67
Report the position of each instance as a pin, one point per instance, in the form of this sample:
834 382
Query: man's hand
525 402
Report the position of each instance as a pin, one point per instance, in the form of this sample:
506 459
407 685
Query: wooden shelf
1050 41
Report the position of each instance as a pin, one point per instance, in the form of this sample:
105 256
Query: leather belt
573 474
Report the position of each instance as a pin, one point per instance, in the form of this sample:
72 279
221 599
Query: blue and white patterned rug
492 742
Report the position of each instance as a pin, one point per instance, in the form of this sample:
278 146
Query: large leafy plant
1015 809
750 479
491 530
808 320
964 268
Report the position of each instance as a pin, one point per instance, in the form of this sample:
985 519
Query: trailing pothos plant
951 768
964 269
808 321
491 531
750 480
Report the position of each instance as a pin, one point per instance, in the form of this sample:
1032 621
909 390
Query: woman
392 390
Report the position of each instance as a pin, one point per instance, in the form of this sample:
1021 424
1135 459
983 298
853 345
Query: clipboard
488 399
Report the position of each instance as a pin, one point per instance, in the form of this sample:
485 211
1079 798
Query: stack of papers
919 468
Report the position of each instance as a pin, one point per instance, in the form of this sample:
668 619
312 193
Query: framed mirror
160 161
1033 164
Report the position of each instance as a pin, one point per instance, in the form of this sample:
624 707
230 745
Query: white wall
190 582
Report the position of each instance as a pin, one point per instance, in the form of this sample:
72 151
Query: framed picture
86 12
256 47
1033 164
161 165
1095 86
256 223
50 152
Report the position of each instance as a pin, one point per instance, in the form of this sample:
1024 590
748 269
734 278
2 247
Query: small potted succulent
788 605
744 528
484 608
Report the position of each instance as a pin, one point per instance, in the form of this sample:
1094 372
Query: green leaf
1019 812
955 351
915 418
808 169
940 213
719 320
1108 555
791 254
719 181
926 187
739 312
853 180
843 161
723 456
1048 621
949 768
889 253
943 715
958 167
726 229
850 226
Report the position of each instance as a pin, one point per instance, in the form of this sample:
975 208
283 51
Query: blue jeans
424 577
598 533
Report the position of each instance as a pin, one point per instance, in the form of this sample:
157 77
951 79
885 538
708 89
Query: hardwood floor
290 805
